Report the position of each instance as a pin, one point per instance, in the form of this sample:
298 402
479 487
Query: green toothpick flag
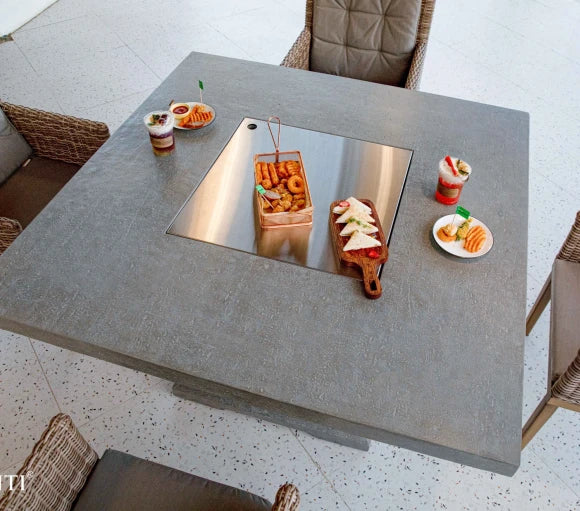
462 212
200 84
260 189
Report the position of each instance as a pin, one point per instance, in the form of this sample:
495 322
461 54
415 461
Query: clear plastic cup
160 127
449 185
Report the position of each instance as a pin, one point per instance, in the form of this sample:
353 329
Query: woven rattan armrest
299 55
416 69
55 471
287 498
567 387
9 231
57 136
570 250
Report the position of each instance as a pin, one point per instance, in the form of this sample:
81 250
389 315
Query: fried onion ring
295 184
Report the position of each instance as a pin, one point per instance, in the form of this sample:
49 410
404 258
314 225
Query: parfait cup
449 186
160 127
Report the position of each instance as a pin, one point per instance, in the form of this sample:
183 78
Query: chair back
372 40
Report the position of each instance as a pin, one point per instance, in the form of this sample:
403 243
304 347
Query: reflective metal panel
222 208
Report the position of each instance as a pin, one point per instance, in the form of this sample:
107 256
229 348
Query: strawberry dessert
453 174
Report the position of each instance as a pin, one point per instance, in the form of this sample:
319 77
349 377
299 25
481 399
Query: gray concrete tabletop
435 365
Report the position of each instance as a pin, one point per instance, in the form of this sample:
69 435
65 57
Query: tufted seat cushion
369 40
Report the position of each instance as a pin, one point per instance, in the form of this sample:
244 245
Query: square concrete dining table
434 365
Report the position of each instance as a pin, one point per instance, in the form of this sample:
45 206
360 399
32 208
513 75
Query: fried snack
443 236
281 168
294 208
463 230
283 181
293 168
267 184
474 231
475 239
196 117
300 203
258 174
296 184
278 209
273 174
286 204
299 196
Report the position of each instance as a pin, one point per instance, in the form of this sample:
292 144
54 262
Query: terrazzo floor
96 59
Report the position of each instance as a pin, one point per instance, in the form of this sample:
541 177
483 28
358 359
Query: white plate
191 104
456 247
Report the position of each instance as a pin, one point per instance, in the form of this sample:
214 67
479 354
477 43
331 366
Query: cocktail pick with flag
262 193
461 212
200 83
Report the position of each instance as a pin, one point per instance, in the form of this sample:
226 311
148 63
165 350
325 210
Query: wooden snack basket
285 218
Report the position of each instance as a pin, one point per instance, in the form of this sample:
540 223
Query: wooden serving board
367 265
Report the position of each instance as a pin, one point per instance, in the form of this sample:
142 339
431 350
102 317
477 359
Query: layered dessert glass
451 183
160 127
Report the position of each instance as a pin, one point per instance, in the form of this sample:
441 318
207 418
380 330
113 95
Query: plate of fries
199 116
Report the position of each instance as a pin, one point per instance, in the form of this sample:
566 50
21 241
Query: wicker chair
9 231
563 288
63 472
61 145
299 55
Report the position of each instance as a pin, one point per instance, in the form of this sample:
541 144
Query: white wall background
15 13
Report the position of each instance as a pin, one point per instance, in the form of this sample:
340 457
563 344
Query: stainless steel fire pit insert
221 210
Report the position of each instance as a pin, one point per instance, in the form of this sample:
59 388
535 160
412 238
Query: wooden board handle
370 279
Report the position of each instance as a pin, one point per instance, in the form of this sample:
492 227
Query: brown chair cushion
369 40
121 482
55 471
29 189
565 320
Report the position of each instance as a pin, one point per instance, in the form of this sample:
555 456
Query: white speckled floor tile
298 6
163 59
552 211
400 479
520 65
26 402
474 83
46 49
19 83
220 445
86 387
260 34
321 497
554 143
12 470
534 288
464 20
132 18
558 445
60 11
555 33
110 75
115 113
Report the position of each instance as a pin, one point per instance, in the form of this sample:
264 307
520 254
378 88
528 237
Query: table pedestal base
226 398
